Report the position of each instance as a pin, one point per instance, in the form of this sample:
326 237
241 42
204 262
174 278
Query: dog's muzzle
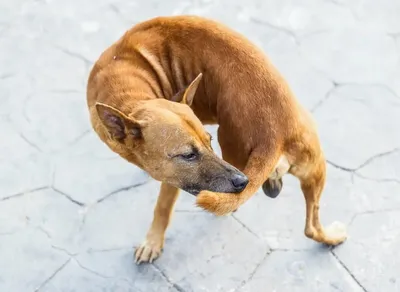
191 190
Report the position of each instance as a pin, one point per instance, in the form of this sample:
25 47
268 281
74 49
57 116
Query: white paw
338 231
148 251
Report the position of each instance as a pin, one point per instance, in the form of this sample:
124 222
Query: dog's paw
148 251
337 232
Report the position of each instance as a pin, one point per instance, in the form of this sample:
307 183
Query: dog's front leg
151 248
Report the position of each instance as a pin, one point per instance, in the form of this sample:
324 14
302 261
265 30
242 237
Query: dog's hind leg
151 248
312 185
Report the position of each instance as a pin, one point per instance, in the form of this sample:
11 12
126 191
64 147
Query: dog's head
168 141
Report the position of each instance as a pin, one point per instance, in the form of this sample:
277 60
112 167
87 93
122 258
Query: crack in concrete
328 94
292 249
355 170
24 193
91 271
274 27
77 139
74 55
127 188
59 269
349 272
104 276
88 207
10 232
24 113
379 155
354 173
114 8
67 252
166 278
90 251
44 231
30 143
215 256
379 180
336 85
254 271
346 169
245 226
66 91
383 86
358 214
218 254
83 221
80 204
343 5
297 39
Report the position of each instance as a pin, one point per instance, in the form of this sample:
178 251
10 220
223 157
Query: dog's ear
117 123
186 96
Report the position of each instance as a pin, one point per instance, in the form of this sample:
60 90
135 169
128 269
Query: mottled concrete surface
71 210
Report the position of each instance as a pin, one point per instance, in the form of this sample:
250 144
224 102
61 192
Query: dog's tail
258 168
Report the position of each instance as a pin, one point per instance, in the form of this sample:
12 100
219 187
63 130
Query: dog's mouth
191 190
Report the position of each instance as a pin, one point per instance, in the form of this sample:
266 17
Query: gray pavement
71 210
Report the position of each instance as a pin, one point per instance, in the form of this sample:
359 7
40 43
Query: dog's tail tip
218 204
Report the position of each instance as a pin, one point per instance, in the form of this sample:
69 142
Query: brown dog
150 93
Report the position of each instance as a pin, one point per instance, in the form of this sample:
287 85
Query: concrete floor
71 210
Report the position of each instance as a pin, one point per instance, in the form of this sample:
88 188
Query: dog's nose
239 182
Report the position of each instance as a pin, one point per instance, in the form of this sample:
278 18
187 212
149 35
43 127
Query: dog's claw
148 251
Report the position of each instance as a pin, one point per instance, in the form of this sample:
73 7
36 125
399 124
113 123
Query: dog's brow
194 149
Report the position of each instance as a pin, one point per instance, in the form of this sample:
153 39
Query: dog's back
176 49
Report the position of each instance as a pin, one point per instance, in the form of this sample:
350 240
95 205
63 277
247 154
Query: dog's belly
281 168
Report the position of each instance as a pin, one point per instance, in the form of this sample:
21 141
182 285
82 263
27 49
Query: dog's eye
189 156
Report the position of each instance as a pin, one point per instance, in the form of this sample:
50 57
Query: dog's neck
124 86
131 76
130 80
